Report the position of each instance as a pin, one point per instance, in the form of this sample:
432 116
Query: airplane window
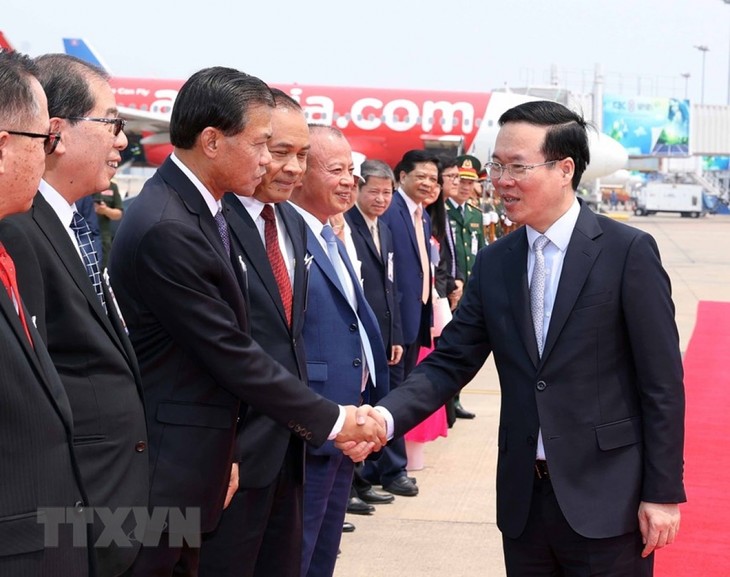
478 122
455 121
359 116
467 122
443 121
143 107
371 116
348 116
383 118
335 116
306 114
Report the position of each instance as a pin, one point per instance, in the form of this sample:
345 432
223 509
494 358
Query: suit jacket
379 288
39 468
262 443
415 316
607 392
96 363
332 339
468 235
182 298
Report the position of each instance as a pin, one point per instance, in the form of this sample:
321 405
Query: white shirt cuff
339 423
389 425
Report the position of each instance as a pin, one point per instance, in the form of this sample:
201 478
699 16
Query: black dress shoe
402 486
357 506
372 496
347 527
461 413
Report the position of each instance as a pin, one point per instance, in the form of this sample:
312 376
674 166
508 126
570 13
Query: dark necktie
88 255
220 221
9 280
537 290
450 243
278 266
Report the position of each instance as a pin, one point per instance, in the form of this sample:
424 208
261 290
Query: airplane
378 123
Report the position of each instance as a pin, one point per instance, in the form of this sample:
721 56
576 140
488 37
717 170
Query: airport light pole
686 76
728 67
704 49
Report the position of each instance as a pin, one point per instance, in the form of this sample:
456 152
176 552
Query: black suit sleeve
174 266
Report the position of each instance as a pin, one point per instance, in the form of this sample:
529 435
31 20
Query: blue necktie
336 259
88 254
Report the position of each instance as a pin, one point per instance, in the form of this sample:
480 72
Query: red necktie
278 266
7 275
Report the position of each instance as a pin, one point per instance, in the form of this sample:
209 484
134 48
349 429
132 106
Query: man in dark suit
75 312
417 173
265 514
577 310
180 279
39 475
346 359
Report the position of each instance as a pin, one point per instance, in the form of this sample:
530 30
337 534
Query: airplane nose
607 156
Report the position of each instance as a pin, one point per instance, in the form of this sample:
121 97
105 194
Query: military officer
465 219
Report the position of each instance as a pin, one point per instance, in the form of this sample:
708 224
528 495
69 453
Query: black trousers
260 532
548 547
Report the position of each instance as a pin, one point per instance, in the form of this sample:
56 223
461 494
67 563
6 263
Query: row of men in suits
606 462
197 366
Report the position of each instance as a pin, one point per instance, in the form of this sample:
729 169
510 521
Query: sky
641 46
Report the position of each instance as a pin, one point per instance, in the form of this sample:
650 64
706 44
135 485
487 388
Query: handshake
363 432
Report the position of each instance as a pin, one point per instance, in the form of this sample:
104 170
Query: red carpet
703 545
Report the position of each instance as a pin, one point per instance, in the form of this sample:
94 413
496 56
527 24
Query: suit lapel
244 228
579 260
515 276
49 224
323 262
194 202
358 224
408 223
40 361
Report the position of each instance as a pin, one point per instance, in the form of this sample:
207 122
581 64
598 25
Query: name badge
390 266
474 243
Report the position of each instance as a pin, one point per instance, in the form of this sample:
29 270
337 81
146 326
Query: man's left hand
659 525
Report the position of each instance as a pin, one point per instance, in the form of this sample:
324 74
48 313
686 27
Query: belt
541 470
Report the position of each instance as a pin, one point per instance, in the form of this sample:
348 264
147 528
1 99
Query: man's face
374 196
88 154
464 190
544 194
450 177
23 159
327 185
289 147
419 182
241 159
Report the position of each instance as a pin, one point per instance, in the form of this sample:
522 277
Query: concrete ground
449 529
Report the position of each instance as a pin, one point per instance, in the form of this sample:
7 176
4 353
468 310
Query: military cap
469 166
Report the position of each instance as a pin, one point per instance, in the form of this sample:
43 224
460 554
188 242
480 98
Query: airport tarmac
449 529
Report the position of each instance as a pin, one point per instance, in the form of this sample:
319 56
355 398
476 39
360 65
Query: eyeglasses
50 140
495 170
453 177
119 123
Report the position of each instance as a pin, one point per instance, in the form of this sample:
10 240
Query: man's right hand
364 431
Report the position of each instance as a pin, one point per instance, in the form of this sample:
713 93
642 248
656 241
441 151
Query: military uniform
466 222
468 235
